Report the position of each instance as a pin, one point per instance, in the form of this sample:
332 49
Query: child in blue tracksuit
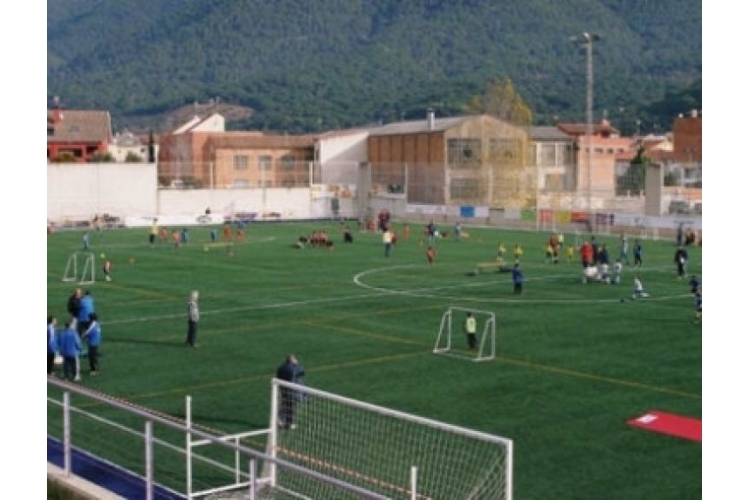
70 349
93 338
85 308
51 344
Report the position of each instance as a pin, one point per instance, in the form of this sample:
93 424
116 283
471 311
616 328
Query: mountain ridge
310 65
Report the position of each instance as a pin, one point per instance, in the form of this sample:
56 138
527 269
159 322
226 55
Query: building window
507 150
568 157
240 162
464 152
264 163
288 162
548 155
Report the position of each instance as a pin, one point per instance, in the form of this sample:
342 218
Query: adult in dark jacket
290 371
74 302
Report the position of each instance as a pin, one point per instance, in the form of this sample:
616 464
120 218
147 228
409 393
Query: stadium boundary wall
129 191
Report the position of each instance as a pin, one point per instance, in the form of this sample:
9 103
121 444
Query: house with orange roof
77 135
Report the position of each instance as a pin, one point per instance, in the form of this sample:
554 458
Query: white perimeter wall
77 192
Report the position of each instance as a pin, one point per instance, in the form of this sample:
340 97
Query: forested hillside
309 65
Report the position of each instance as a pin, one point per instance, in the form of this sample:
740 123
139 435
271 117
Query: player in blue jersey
695 284
517 279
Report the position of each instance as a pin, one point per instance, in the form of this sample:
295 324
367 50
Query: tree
633 181
65 157
133 158
100 157
503 102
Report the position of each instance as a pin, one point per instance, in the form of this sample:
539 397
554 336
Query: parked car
679 207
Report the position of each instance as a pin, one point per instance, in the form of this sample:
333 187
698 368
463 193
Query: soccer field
575 362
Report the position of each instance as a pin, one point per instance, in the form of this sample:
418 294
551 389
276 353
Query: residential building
77 135
596 156
553 153
202 154
129 147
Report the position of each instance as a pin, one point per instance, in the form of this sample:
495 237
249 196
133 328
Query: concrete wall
81 190
77 192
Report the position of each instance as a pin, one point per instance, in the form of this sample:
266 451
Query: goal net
452 339
80 268
387 452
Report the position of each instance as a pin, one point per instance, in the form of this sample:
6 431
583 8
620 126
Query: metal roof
419 126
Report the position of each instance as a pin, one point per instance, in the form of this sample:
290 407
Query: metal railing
73 434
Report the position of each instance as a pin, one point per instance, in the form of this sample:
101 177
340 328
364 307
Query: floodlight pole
587 40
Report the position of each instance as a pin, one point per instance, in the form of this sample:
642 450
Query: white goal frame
407 456
486 335
80 268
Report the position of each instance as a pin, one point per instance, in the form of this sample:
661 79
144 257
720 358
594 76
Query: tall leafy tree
501 100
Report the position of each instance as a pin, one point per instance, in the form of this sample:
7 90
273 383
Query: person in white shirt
638 290
616 272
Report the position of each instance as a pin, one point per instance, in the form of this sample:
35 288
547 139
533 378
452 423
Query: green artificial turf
574 361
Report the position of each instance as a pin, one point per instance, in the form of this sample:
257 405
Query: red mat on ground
671 424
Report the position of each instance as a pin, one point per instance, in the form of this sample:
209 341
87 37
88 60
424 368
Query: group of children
316 239
68 343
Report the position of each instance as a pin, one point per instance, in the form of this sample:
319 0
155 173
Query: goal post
385 451
80 268
451 338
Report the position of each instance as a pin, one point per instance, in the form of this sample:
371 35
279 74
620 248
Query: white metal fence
175 455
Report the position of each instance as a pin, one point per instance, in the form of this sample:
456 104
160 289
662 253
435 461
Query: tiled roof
580 128
81 126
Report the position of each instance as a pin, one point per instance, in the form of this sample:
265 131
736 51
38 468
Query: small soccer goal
452 339
80 268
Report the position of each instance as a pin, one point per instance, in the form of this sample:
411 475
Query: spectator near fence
290 371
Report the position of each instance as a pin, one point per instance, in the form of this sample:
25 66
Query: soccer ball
131 260
101 255
205 248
